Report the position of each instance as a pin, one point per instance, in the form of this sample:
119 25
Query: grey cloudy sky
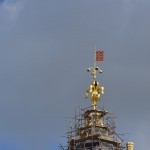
45 48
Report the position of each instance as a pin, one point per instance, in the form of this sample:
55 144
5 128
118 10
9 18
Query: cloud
1 1
142 134
9 9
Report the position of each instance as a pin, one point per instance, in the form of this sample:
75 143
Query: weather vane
95 88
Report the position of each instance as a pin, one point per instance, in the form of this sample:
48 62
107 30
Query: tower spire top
95 88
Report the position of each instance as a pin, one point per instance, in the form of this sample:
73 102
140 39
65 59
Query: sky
46 47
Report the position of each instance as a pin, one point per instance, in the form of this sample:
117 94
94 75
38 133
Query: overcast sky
46 47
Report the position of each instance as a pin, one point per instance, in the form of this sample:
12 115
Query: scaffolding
93 130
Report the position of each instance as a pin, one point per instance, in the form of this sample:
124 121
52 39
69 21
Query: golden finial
95 88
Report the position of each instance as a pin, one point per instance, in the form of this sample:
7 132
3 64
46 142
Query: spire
95 88
94 129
